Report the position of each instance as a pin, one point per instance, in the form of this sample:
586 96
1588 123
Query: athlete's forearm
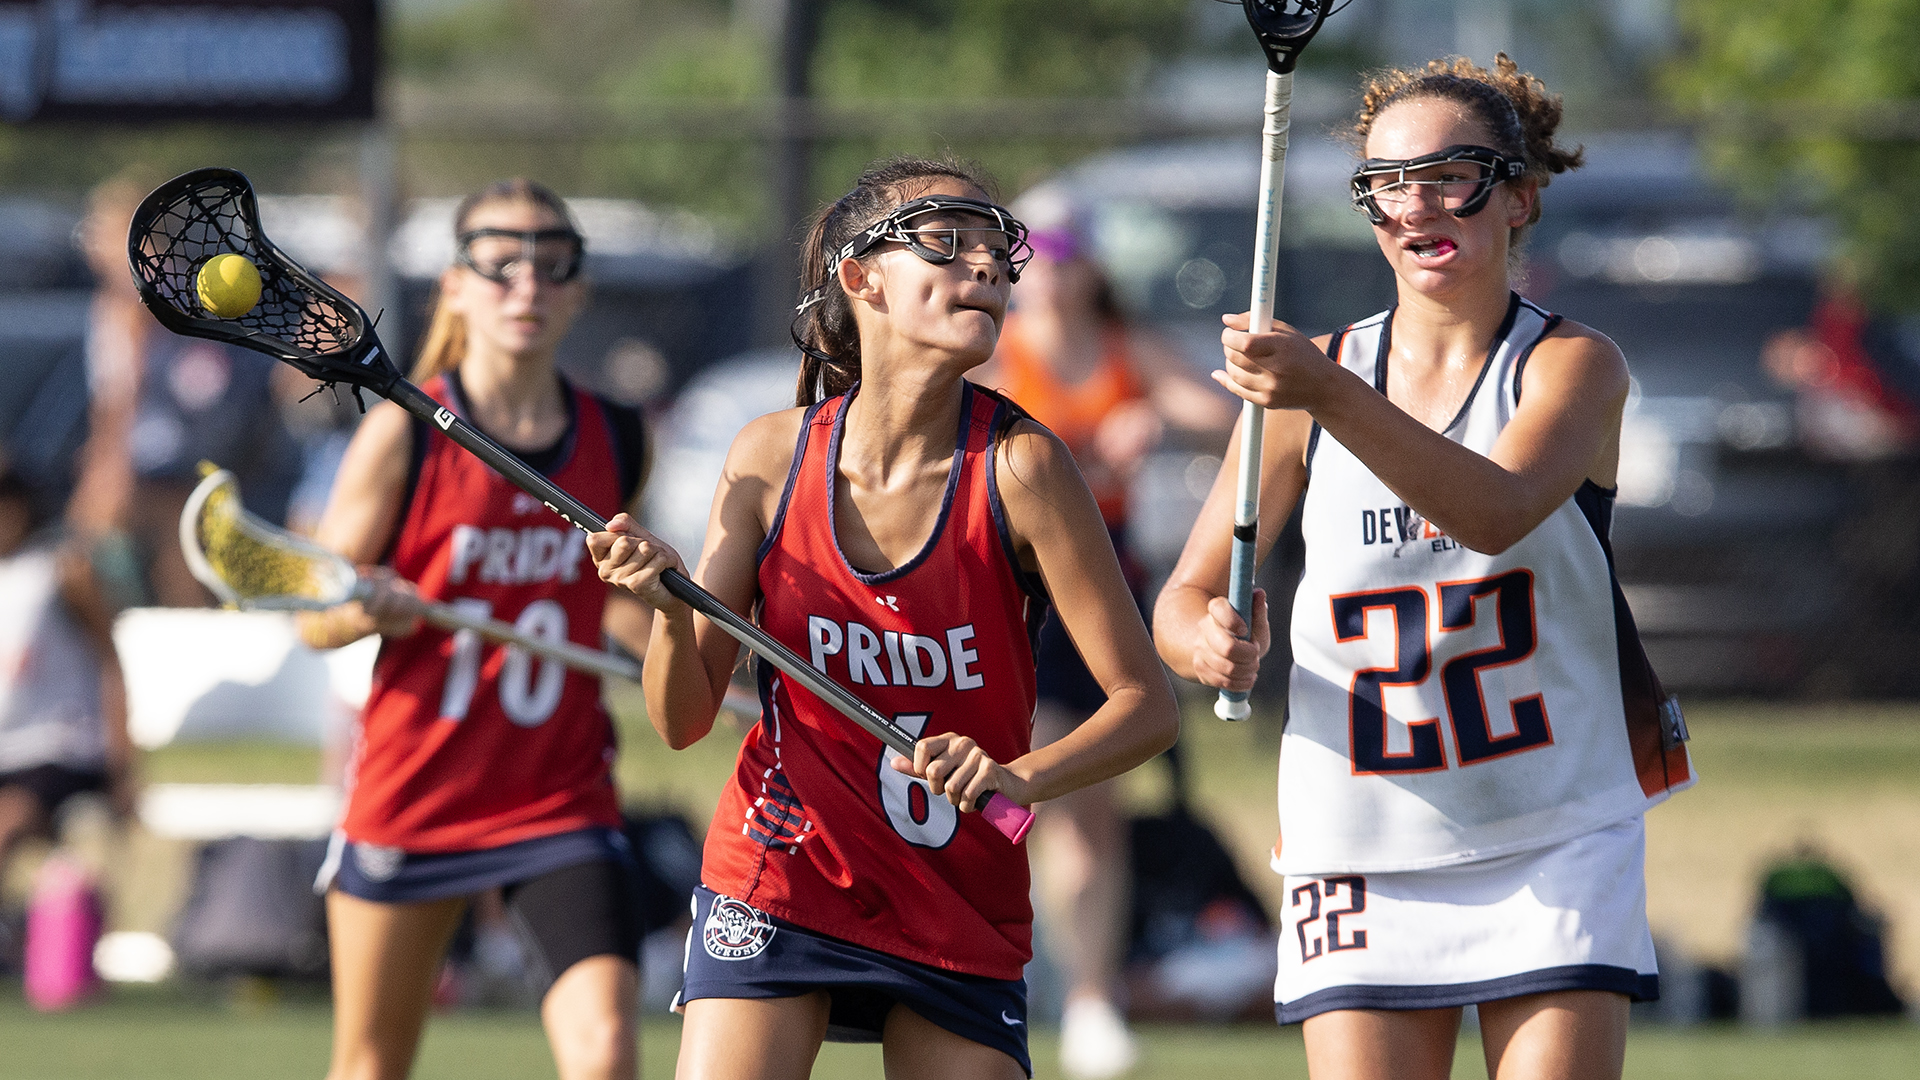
334 627
1137 724
1176 625
682 699
1470 497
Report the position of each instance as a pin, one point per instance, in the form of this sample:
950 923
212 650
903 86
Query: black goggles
1463 190
553 255
999 231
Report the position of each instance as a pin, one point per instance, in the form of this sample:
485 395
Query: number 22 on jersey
1510 596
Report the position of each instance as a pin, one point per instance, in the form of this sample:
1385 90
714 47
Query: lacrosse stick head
300 319
1285 26
251 565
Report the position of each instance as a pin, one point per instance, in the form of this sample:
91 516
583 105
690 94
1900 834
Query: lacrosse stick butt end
1008 816
1232 706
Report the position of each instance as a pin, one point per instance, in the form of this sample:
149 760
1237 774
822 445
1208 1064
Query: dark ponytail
824 327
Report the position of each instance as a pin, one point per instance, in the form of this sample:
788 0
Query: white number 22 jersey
1449 706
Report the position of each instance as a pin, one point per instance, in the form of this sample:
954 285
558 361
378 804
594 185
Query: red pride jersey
816 827
466 744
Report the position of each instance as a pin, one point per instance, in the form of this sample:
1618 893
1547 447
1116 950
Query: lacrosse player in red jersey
477 766
904 530
1473 729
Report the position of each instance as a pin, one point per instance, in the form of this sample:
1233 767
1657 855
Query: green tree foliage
642 60
1801 101
673 101
914 52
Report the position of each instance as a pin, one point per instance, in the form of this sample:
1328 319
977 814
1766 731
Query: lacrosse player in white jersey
1473 730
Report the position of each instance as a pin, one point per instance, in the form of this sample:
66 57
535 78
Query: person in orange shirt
1110 391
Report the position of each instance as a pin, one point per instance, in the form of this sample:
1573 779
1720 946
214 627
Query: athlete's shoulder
382 445
766 445
1579 351
1031 454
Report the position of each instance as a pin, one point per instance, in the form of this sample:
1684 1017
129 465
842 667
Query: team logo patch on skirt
378 863
735 931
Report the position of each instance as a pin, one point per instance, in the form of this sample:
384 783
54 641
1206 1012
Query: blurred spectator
1812 950
63 724
1843 371
1109 391
160 405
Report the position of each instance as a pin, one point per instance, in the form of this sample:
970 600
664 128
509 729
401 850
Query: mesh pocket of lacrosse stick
300 319
252 565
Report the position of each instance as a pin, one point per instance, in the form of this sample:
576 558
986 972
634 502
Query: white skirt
1568 917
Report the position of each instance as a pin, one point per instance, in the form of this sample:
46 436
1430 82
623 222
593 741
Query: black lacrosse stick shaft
307 323
1284 27
581 516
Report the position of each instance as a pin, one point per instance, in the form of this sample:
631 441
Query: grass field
164 1035
1842 779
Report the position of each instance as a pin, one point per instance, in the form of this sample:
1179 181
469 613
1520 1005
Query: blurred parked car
693 435
44 292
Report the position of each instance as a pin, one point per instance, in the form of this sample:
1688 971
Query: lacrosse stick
254 566
1283 28
306 323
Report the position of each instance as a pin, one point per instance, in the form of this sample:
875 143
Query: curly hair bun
1514 105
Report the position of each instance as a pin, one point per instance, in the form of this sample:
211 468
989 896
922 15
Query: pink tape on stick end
1008 816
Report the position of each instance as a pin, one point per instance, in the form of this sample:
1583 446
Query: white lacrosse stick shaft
1232 704
572 654
444 616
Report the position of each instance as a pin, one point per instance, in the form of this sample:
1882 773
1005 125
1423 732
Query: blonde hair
1515 106
444 344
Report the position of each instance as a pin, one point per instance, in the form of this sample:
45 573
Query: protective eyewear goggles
553 255
1002 234
1462 176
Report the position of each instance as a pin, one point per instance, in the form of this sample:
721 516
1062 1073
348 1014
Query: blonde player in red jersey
903 529
1473 730
477 766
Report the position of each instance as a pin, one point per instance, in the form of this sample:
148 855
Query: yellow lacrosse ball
229 285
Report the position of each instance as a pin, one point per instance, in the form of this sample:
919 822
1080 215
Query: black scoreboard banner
232 60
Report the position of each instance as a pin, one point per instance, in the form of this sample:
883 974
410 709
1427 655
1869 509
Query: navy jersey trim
793 477
545 461
1641 693
421 433
1520 366
1486 365
1029 582
1380 350
629 430
1334 344
946 497
1604 977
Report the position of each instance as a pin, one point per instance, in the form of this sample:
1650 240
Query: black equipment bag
1185 883
1840 943
252 911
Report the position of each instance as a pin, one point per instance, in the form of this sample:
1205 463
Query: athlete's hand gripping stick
305 322
254 566
1003 813
1283 27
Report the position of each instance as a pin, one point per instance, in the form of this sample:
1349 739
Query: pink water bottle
63 923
